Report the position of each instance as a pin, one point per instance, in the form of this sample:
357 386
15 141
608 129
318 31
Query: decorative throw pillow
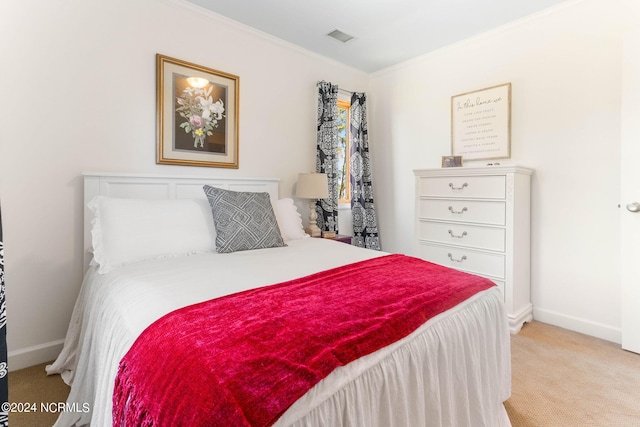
243 220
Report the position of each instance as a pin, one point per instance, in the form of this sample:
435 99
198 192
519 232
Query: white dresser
477 219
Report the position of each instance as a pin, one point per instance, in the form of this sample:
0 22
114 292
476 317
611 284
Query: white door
630 193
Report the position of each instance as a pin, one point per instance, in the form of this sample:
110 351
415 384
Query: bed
451 370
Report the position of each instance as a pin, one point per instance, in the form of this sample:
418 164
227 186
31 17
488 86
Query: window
344 147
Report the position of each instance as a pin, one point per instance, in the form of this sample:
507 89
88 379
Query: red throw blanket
243 359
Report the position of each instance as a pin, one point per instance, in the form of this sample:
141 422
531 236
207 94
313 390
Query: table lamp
312 186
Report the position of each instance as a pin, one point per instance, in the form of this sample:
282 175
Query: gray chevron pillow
243 220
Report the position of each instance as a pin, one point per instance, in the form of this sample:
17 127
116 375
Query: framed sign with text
481 123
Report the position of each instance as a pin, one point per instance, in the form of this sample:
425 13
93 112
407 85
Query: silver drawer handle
458 188
457 212
460 236
464 257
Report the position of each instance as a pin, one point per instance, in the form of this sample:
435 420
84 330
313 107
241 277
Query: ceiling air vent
340 36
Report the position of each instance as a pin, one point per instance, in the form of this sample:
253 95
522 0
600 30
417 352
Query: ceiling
386 32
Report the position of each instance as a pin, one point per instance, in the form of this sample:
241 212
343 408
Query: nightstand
344 238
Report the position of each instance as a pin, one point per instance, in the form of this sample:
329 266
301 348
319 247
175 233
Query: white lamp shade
312 186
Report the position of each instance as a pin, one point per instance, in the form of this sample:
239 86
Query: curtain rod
348 92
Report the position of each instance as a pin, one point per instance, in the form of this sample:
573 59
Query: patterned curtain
327 151
365 224
4 379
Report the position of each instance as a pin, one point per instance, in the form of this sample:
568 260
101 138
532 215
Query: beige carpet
32 386
560 379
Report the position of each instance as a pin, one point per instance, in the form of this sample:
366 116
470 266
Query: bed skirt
453 371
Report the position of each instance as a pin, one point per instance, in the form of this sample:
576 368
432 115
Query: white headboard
143 186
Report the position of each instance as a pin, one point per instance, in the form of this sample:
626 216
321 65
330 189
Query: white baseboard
30 356
587 327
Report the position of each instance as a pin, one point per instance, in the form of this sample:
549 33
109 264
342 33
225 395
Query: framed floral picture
197 115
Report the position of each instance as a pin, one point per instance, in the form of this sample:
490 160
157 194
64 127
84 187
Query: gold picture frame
197 115
481 123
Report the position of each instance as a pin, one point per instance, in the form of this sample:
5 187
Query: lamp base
313 230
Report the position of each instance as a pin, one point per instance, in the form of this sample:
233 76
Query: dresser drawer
482 212
481 263
481 187
489 238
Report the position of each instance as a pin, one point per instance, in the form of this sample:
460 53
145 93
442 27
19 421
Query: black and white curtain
4 379
327 151
365 224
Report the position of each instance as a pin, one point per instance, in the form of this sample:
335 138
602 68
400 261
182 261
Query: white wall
565 68
78 91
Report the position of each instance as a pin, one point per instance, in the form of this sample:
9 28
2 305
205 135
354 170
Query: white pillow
289 220
130 230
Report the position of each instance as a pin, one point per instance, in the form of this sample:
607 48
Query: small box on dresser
477 219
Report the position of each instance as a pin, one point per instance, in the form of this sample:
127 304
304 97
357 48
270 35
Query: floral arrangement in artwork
201 114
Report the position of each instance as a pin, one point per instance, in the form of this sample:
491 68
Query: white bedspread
453 371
